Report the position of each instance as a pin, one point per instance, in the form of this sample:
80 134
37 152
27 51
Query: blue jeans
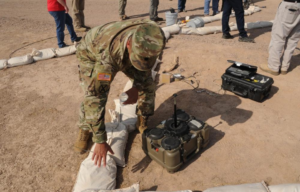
61 19
215 6
237 6
181 5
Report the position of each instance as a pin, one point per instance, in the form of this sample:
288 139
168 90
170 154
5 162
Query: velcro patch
103 76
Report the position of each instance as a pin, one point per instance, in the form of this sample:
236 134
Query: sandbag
92 176
255 187
173 29
22 60
167 34
295 187
258 24
3 64
60 52
43 54
126 114
117 136
133 188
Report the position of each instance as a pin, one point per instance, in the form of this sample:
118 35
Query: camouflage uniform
102 53
122 6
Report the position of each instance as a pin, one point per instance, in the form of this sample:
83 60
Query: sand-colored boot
80 29
82 141
266 68
141 123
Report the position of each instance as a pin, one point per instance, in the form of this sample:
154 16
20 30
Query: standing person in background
215 7
59 11
122 6
153 11
237 6
284 37
181 6
78 7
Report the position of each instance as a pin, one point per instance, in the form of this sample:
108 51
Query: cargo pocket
92 109
290 14
86 80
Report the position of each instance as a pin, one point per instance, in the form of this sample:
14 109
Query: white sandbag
60 52
16 61
295 187
117 136
133 188
167 34
92 176
254 187
43 54
209 30
189 31
3 64
126 115
173 29
168 191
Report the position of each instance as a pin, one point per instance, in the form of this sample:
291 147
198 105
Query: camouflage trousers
78 7
122 6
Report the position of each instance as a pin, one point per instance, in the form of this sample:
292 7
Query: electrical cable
32 44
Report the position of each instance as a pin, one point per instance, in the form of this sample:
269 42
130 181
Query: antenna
175 114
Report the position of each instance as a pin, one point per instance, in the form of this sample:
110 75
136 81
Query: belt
292 1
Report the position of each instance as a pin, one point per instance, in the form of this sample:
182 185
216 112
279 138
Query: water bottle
123 97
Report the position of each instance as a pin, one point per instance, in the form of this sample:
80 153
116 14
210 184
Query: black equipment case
247 84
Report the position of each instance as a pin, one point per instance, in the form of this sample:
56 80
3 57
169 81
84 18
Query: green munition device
175 140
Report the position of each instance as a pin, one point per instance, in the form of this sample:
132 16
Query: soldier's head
145 45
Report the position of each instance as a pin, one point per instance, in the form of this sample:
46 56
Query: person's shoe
184 10
158 19
77 39
266 68
179 11
141 123
123 17
206 15
227 36
82 141
215 13
283 72
64 45
246 39
87 27
81 29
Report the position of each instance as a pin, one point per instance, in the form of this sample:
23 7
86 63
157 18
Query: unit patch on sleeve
104 77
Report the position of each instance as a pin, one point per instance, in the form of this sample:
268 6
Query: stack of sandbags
43 54
295 187
60 52
254 187
22 60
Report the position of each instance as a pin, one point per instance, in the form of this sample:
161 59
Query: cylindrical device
123 97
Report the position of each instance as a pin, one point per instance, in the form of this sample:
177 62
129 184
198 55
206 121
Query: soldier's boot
82 141
141 123
80 29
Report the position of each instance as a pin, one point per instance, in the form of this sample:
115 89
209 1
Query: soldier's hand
100 152
133 94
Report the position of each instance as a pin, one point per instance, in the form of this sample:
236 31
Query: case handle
243 94
236 74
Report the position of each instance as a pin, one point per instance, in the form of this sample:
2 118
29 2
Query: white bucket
171 18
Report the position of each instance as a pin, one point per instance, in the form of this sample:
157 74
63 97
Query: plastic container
171 18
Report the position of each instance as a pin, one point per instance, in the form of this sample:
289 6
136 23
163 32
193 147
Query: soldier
128 46
78 7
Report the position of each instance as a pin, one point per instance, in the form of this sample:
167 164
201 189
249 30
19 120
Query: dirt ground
39 104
